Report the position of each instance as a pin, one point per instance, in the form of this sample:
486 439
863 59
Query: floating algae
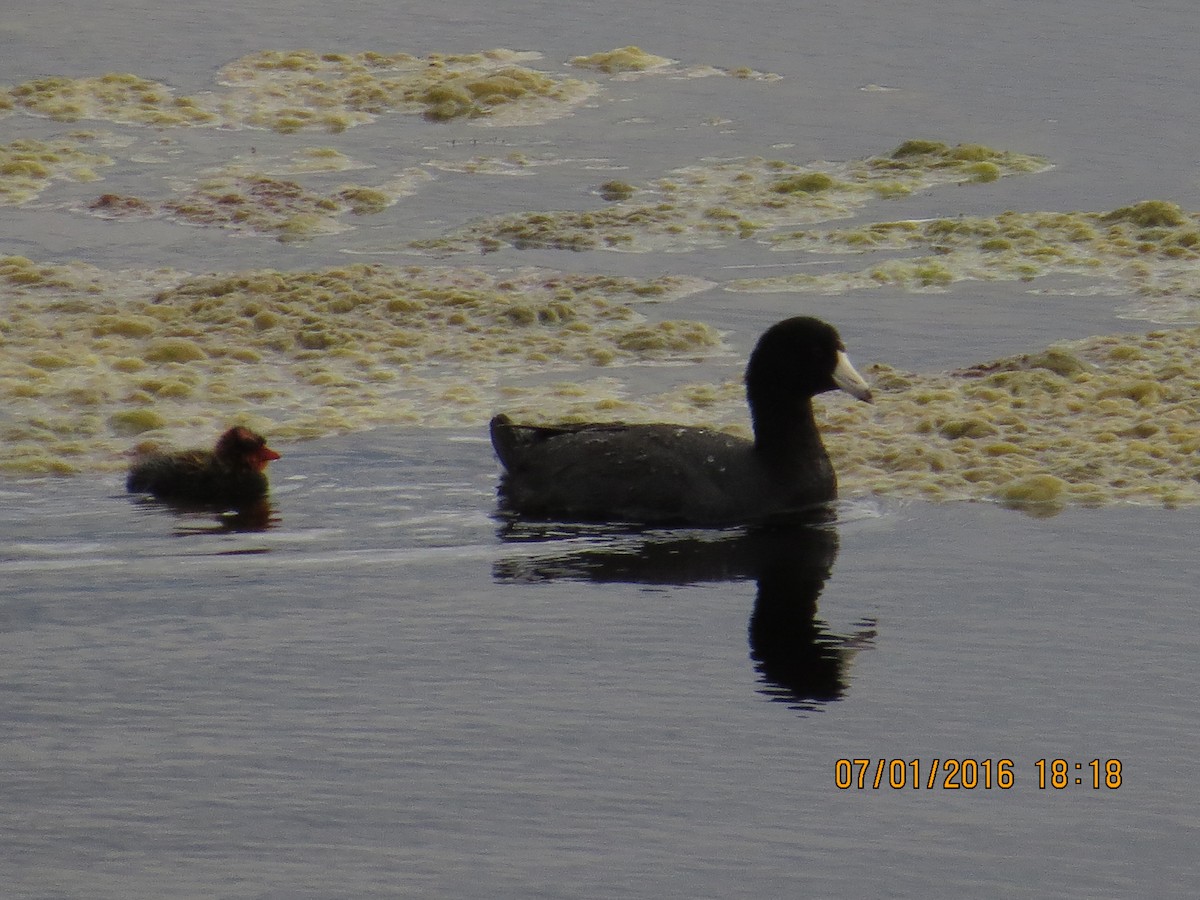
1037 492
631 62
1107 419
242 198
282 207
290 90
115 97
707 204
293 90
616 190
27 167
93 357
119 206
1152 246
623 59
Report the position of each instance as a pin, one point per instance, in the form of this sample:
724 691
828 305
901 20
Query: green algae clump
1039 490
1149 214
475 95
175 350
366 201
972 162
968 428
135 421
673 337
126 326
810 183
983 172
623 59
616 190
918 147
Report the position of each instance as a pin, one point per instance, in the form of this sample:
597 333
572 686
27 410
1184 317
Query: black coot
676 475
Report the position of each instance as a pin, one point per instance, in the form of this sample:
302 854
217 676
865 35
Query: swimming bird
233 473
660 474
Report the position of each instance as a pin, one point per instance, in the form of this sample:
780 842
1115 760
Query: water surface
382 690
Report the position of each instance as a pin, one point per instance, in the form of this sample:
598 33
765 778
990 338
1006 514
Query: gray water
387 693
383 690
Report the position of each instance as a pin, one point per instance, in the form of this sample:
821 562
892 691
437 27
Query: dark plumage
672 474
233 473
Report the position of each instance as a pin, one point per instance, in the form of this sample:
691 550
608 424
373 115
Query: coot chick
677 475
232 474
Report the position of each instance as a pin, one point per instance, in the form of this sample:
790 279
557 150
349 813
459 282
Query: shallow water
379 689
388 693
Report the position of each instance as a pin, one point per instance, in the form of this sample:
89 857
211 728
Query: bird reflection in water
197 518
799 661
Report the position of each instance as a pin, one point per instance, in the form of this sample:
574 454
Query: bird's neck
784 430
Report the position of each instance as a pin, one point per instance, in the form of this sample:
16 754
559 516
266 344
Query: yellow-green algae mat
293 90
263 197
1152 247
29 166
93 358
1113 418
95 361
712 203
